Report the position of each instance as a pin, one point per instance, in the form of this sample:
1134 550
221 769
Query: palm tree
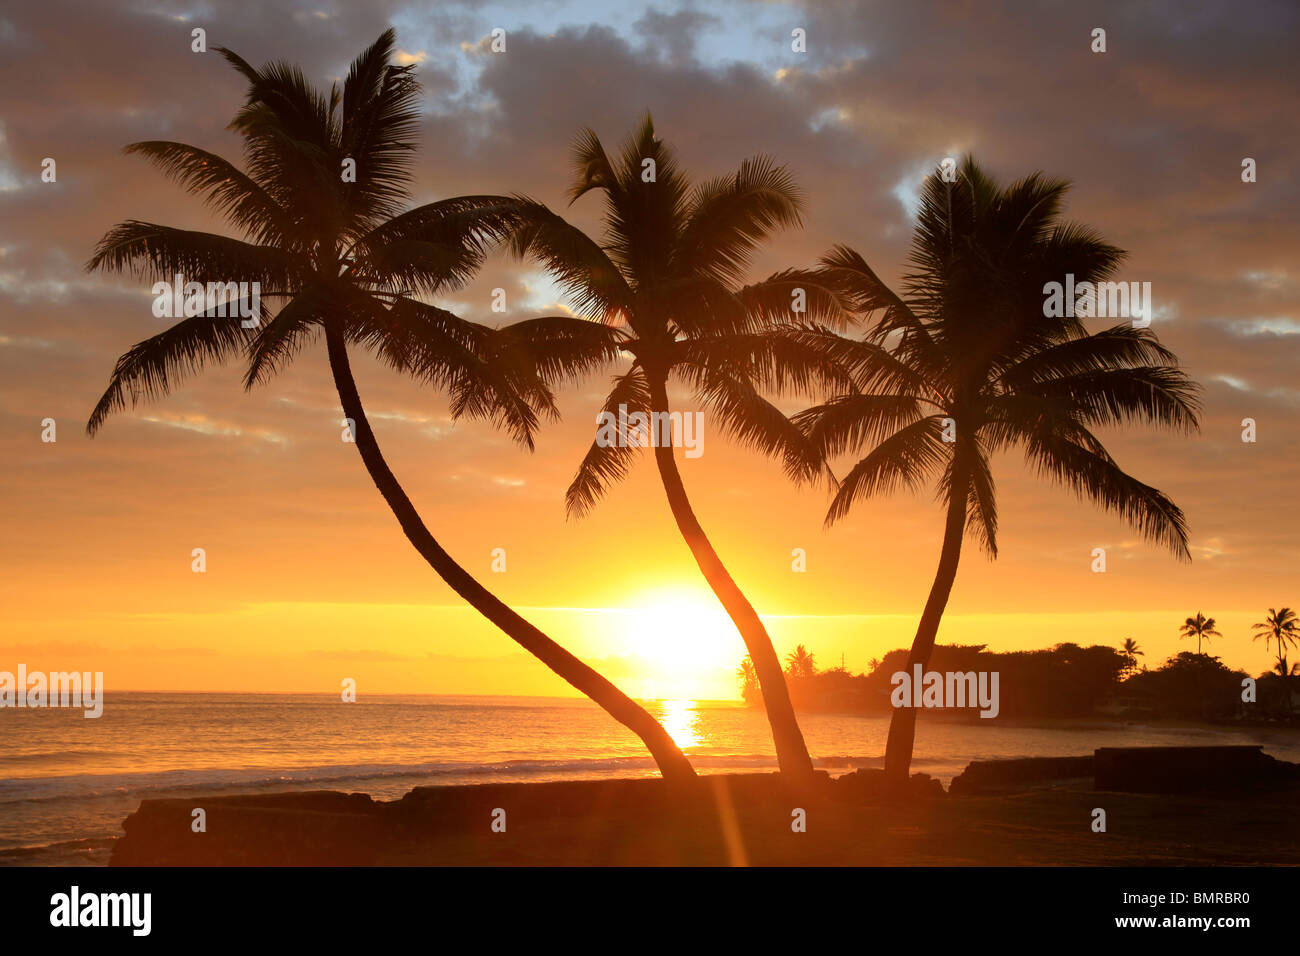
663 287
1286 673
1131 652
966 364
1199 627
799 663
748 678
1281 626
344 261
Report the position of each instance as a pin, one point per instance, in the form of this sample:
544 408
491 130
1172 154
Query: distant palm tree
1281 626
1199 627
800 663
1286 673
345 260
967 363
662 288
1132 653
748 678
873 664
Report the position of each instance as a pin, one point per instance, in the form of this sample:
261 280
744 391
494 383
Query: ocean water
67 782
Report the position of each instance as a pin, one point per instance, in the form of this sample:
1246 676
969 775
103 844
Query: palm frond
1158 395
853 421
592 168
276 342
903 460
607 462
1092 474
771 301
152 368
380 120
1122 346
225 188
726 218
643 217
981 501
770 361
745 416
437 347
162 252
579 266
561 349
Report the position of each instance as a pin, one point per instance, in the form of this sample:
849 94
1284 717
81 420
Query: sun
686 642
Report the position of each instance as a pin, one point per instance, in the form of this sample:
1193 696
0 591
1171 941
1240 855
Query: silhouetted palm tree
1131 652
748 678
345 260
799 663
966 364
1281 626
1285 673
1199 627
663 287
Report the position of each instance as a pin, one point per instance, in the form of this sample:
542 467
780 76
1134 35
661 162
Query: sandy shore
726 820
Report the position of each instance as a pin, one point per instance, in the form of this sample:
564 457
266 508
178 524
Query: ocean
67 782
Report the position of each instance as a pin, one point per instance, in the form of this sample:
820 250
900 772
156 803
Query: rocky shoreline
1237 809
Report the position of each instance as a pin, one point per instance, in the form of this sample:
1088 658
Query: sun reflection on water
681 719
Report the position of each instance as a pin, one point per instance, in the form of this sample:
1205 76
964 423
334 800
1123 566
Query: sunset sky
309 579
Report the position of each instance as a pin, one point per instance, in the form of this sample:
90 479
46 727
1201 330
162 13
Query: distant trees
1189 686
800 663
1131 653
1063 681
1068 680
749 686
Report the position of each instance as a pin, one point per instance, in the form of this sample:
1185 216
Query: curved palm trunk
902 726
672 762
791 752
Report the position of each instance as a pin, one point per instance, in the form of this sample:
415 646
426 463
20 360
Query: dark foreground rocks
1190 769
869 784
316 828
993 776
1217 769
742 819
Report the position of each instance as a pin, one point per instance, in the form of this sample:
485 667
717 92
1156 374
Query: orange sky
309 580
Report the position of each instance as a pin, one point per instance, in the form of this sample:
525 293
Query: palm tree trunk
902 726
791 752
672 762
